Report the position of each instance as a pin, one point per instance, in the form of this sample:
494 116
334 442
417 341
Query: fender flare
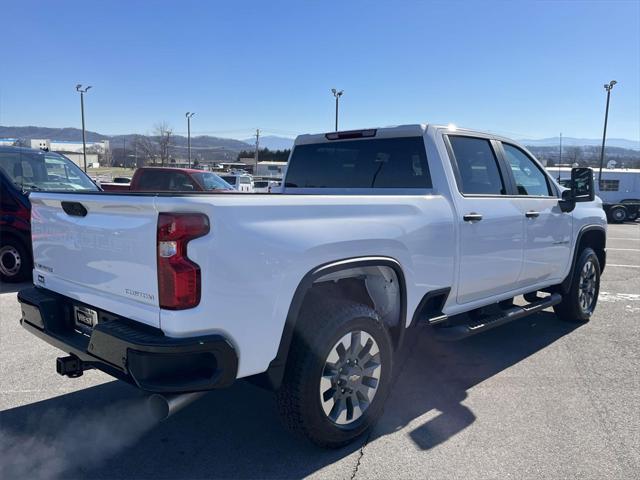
272 378
565 286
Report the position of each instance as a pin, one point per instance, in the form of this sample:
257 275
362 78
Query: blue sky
524 69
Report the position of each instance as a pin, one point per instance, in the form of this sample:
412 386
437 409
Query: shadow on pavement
235 433
436 375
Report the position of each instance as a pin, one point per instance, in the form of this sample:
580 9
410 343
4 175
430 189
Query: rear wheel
338 374
15 264
580 302
618 214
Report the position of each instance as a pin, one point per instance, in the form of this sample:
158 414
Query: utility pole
560 158
608 87
82 91
337 94
255 169
124 150
189 115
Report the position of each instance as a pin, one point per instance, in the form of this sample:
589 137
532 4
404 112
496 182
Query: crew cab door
490 227
547 232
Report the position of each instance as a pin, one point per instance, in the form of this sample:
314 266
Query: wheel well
595 239
375 286
591 237
6 234
375 281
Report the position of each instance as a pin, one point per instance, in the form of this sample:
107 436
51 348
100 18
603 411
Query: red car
166 179
23 170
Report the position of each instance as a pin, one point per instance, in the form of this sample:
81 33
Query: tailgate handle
75 209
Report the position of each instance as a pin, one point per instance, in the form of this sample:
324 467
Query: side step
487 322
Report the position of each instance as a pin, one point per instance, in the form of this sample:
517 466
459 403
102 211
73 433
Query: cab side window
529 178
154 180
179 182
477 166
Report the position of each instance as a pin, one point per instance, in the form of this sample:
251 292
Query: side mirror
582 186
567 203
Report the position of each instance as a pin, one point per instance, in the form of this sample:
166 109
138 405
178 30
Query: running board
474 326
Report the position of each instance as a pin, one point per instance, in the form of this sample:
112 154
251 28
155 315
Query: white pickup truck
311 291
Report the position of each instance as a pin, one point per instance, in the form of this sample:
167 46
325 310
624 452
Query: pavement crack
360 455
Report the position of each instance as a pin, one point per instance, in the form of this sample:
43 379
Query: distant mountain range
75 135
582 142
272 142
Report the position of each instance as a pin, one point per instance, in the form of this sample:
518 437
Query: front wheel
15 262
580 301
338 374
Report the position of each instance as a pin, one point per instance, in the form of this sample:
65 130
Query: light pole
189 115
607 87
337 94
84 143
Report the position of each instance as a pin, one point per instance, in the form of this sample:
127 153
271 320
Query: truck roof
409 130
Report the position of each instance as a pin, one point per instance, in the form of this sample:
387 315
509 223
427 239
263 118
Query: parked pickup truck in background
22 171
165 179
310 292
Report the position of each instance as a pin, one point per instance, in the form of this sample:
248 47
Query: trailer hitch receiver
70 366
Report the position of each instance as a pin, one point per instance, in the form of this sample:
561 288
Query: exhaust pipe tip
158 406
162 407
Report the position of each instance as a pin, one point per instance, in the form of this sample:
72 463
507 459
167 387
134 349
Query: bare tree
144 149
163 133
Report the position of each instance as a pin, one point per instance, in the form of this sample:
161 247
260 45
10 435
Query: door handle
532 214
472 217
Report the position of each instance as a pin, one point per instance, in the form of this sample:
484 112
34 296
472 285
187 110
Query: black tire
15 261
632 215
572 308
618 214
320 328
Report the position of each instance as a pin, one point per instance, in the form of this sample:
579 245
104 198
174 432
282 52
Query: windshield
44 171
211 181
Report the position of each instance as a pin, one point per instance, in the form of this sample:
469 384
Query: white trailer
619 190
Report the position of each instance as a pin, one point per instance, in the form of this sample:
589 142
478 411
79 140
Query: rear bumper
128 350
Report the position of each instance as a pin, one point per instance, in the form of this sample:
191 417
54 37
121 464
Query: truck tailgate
100 249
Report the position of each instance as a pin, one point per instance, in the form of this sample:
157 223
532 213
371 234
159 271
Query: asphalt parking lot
537 398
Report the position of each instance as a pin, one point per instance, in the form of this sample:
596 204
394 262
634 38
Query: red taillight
179 277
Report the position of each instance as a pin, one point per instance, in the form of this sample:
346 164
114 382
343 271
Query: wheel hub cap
10 261
350 377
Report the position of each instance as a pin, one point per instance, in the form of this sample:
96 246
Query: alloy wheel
587 287
10 261
350 377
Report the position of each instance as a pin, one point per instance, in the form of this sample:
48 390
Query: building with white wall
270 169
65 146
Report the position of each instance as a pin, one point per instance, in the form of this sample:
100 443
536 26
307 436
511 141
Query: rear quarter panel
261 246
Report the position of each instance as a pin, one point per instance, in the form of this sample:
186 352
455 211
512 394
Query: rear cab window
378 163
165 180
